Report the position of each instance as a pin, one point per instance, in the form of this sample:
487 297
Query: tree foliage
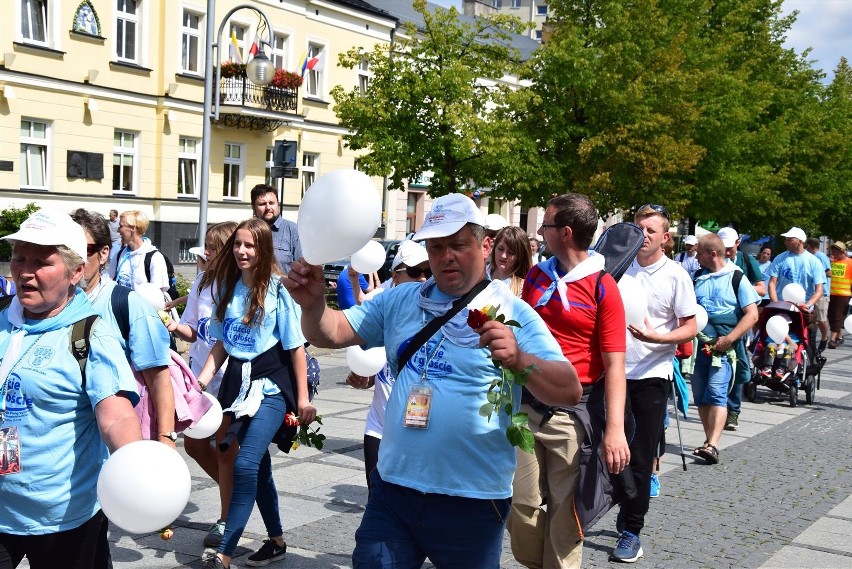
11 219
427 103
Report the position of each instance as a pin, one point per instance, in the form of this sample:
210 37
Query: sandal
697 450
709 453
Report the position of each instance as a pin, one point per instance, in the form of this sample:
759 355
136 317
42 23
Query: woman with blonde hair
256 324
510 259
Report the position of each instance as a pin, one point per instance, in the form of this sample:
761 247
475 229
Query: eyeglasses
416 272
553 225
91 249
656 207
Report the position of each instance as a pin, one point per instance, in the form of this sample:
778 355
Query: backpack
170 270
619 245
313 375
78 341
190 402
7 287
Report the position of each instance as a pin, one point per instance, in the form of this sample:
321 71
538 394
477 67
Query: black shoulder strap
6 301
119 299
78 344
148 257
735 283
118 261
433 325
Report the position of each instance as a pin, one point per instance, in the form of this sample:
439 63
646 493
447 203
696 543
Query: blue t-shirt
803 269
281 323
460 453
149 340
59 442
826 265
345 294
715 293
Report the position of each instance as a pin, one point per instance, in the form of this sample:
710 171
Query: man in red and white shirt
582 307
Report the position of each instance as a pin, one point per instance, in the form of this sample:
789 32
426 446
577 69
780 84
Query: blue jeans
401 527
253 475
735 398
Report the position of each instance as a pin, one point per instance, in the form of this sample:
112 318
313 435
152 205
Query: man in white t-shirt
688 258
670 321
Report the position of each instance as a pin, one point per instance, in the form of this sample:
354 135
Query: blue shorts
710 384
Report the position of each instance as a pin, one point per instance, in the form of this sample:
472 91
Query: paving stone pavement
781 496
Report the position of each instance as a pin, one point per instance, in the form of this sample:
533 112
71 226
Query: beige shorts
821 309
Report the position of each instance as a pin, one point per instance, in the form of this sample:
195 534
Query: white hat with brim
495 222
51 227
796 233
198 252
448 215
410 254
729 236
690 240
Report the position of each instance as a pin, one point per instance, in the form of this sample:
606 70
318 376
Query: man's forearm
325 327
553 382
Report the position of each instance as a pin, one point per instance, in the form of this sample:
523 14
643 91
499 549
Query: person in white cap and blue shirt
796 265
58 422
688 258
443 484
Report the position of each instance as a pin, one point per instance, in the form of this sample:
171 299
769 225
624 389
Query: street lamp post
259 71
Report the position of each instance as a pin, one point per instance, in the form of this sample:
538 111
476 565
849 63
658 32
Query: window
314 77
277 183
34 20
538 34
411 211
34 154
127 26
188 158
497 3
239 32
190 52
123 161
364 75
310 165
233 170
541 9
280 49
516 3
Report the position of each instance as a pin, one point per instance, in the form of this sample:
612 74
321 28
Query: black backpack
619 245
170 270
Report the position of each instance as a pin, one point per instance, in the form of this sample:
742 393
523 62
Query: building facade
535 11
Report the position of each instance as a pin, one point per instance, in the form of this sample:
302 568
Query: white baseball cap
448 215
495 222
411 254
690 240
729 236
198 252
796 233
51 227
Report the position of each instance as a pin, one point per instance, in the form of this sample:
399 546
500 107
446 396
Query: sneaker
655 486
212 561
628 549
214 534
268 553
732 422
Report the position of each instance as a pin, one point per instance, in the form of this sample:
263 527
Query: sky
823 25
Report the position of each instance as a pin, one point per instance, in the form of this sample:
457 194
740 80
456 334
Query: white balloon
369 258
635 301
794 293
365 362
339 214
777 328
847 324
701 318
152 294
144 486
209 423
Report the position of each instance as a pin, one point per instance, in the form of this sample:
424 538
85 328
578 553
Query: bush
10 220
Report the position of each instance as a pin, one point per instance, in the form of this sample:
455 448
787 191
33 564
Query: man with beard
285 235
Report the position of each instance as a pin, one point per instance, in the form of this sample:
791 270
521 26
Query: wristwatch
172 436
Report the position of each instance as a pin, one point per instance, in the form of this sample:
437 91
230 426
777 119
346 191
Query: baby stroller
808 362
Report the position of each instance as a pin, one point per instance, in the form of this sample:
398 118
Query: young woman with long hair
257 327
511 259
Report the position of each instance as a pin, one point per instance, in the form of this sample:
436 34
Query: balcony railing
238 90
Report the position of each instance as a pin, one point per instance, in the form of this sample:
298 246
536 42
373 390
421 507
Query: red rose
290 420
476 318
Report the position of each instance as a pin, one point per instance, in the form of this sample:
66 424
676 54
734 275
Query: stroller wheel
751 391
794 395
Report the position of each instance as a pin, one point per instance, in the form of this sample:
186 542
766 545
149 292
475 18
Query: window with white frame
127 30
516 3
233 170
34 21
310 165
280 50
189 155
190 48
124 157
314 77
541 9
277 183
240 32
497 3
364 75
34 141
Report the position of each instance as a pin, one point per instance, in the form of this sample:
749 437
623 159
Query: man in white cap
444 480
751 271
796 265
687 257
60 411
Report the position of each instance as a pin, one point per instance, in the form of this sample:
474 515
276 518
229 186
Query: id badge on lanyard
418 406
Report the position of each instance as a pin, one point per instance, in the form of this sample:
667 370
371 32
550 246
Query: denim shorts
710 384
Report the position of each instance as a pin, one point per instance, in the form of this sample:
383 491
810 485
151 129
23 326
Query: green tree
427 104
11 219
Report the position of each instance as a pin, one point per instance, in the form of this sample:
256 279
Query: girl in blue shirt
256 324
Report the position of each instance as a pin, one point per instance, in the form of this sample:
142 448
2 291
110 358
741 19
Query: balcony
237 91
